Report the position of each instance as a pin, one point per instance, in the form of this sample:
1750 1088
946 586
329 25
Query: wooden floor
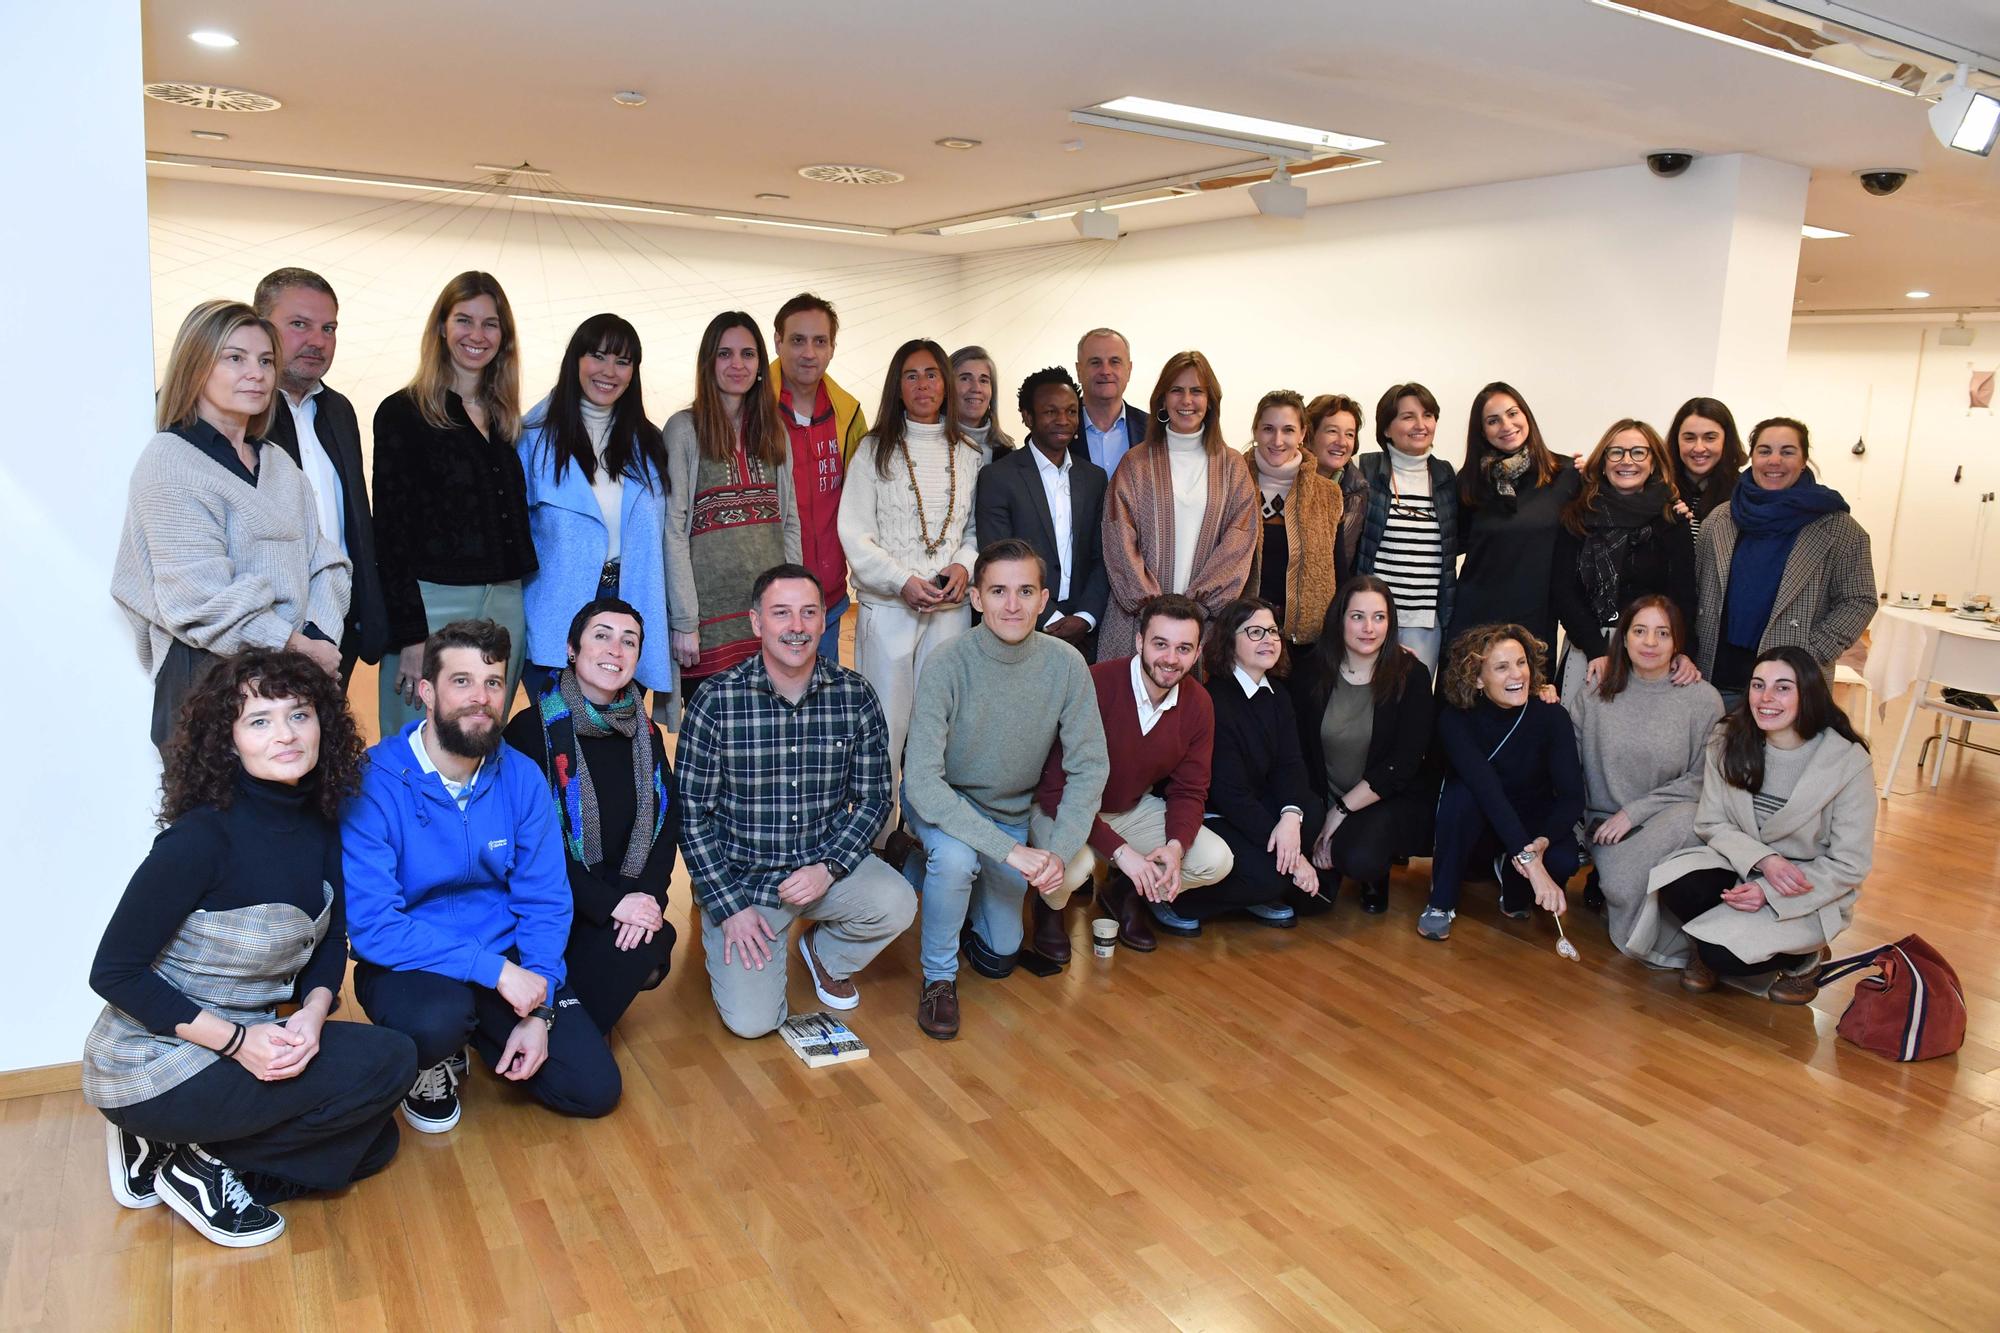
1337 1127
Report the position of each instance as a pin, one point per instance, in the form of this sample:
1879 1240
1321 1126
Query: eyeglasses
1258 633
1638 453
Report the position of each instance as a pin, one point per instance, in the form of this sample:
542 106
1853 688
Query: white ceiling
1464 91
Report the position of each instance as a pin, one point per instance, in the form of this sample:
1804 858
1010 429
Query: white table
1904 649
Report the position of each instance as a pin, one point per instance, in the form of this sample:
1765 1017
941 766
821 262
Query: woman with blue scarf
616 804
1784 563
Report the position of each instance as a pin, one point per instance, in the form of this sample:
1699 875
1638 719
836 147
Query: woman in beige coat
1787 828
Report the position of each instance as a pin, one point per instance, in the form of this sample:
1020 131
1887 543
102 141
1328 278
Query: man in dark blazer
1112 427
1048 497
317 427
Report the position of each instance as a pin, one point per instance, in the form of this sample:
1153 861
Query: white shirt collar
307 399
1150 712
1250 687
456 790
1044 465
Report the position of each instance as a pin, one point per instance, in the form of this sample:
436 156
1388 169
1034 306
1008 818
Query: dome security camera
1880 181
1669 162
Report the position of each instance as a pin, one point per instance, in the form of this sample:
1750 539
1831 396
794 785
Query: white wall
79 784
1893 386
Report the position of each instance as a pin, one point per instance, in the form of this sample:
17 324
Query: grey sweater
1643 750
986 716
219 564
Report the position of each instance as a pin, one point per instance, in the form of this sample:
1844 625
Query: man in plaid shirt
784 782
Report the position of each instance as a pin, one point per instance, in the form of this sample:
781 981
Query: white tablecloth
1899 642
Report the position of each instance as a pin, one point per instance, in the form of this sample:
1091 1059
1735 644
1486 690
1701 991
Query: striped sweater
218 563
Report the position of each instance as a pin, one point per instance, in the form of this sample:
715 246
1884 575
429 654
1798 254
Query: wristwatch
1525 857
545 1013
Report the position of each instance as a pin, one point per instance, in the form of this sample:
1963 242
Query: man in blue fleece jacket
458 899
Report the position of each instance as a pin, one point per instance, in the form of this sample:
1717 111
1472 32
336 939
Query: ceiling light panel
1813 233
1153 111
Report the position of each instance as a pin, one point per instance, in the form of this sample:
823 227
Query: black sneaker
458 1064
133 1162
214 1201
431 1105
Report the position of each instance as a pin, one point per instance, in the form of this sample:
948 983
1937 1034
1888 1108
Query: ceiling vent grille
210 97
831 173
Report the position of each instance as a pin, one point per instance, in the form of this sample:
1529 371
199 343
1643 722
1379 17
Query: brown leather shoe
1051 934
834 992
1697 978
1121 901
937 1010
1799 987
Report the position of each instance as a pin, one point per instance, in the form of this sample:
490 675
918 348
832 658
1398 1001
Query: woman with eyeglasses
1624 536
1260 801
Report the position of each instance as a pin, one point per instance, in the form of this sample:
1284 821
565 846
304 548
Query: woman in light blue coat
597 494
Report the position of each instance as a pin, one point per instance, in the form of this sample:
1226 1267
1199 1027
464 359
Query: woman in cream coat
1787 828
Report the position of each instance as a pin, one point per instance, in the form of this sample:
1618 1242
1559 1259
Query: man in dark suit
317 427
1054 501
1112 427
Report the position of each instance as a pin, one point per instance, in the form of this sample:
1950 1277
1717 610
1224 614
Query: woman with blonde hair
1181 513
731 510
221 548
1293 568
974 377
452 537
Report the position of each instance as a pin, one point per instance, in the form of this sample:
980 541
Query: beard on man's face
468 744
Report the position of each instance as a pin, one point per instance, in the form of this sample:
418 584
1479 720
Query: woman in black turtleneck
216 1107
1513 792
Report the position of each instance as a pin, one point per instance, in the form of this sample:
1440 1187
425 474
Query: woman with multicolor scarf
617 806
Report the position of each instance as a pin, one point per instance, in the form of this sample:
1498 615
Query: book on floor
821 1039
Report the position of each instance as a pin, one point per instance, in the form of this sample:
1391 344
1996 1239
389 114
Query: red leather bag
1915 1010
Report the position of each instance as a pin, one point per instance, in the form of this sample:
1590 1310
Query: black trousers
331 1125
1701 891
1253 882
606 978
440 1015
1367 844
1464 840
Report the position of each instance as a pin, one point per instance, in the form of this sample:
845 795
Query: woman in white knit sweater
222 548
906 525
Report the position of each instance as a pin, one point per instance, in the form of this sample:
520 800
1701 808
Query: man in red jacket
1160 729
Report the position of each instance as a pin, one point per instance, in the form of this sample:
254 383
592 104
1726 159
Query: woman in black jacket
1625 536
617 805
1511 494
1365 722
1259 801
217 1107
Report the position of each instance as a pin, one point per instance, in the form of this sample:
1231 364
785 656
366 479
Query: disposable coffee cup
1103 936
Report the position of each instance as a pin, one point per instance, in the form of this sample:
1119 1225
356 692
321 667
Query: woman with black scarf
617 806
1511 494
1624 536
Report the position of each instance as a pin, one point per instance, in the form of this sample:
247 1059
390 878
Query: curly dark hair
201 758
1468 653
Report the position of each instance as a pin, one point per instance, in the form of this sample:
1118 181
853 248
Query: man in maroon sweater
1160 728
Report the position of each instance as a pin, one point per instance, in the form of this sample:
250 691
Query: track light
1279 197
1094 224
1964 118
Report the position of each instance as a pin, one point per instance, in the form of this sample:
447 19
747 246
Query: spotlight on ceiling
208 37
1094 224
1280 196
1965 119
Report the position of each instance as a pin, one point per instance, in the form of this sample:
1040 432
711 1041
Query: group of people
1119 658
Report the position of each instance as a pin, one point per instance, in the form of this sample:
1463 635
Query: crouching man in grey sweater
989 706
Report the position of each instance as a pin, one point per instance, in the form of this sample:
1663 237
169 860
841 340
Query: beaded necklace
951 486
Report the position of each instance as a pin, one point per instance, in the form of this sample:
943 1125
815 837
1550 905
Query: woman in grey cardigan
1642 738
222 548
1786 825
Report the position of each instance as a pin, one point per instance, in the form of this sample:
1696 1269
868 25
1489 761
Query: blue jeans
955 883
829 640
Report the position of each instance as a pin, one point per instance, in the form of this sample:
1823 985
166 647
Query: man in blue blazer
1112 427
1048 497
303 307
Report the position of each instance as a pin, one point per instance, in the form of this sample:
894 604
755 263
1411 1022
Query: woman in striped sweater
1708 457
1410 537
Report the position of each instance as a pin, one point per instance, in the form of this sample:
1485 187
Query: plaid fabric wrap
240 964
768 786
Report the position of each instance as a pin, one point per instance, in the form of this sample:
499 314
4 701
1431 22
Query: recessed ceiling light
772 195
213 136
954 141
1072 145
628 97
208 37
1918 296
1813 233
1149 111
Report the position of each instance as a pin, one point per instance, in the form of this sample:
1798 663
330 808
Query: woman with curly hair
1513 789
216 1107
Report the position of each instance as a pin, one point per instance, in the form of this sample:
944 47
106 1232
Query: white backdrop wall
1929 456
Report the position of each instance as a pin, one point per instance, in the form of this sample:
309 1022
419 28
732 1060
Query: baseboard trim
45 1079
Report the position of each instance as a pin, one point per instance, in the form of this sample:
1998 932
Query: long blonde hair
499 383
203 335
